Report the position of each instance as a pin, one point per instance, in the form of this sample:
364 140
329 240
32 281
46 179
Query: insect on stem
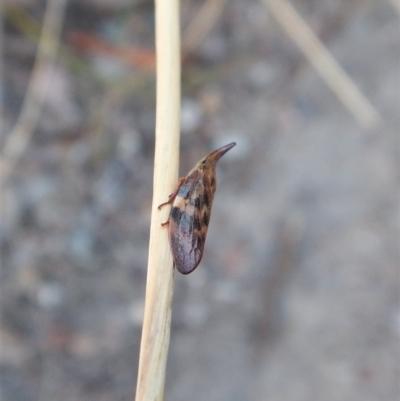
191 210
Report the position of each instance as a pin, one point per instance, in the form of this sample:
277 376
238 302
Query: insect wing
191 210
186 230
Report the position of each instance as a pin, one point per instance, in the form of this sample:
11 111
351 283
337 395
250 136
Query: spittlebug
190 212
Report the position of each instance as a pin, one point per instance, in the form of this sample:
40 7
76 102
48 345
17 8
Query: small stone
191 115
50 295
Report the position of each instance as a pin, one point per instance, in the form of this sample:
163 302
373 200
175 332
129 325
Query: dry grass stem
202 24
396 4
1 69
159 288
324 62
19 137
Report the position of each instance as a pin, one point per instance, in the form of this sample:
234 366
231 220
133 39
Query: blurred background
297 296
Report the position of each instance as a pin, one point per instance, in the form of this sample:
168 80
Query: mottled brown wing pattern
190 212
188 223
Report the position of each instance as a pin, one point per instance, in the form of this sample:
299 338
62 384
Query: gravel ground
297 296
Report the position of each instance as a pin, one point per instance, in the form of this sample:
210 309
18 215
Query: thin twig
19 137
396 4
159 288
324 62
202 24
1 70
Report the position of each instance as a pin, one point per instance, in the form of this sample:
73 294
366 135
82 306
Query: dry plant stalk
202 24
396 4
49 42
326 65
159 288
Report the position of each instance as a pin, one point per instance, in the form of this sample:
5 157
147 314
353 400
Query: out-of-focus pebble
50 295
81 245
191 115
128 143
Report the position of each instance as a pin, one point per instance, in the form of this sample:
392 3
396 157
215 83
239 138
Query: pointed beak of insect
217 154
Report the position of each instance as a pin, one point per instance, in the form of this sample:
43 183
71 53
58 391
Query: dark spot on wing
206 219
176 214
197 223
205 198
199 242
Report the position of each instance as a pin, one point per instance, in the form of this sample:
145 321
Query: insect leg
173 195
